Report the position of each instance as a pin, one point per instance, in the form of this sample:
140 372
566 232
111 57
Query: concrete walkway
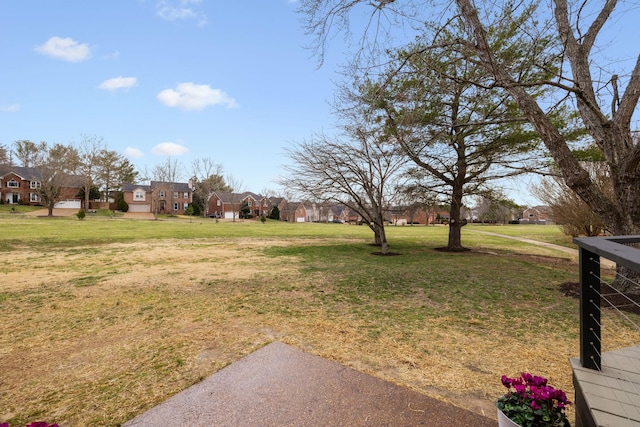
605 262
280 385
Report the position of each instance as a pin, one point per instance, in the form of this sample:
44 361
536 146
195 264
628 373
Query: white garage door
67 204
139 208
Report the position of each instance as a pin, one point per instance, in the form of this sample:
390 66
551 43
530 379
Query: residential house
537 215
278 202
293 212
323 211
158 197
19 185
411 214
227 205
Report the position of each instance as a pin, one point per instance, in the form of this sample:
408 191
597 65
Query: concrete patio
280 385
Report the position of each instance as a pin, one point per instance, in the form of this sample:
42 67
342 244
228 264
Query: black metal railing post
590 309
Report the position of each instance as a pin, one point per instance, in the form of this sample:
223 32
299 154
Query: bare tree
569 210
236 187
55 165
206 177
4 155
89 150
165 176
359 171
29 153
494 207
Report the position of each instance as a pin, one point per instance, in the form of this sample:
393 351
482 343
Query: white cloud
10 108
172 10
169 149
191 96
133 153
118 83
66 49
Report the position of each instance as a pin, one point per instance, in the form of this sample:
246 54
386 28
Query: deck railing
612 393
592 249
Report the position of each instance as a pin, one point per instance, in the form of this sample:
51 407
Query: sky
227 80
230 81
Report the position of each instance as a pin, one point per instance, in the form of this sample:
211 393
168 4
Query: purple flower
505 382
531 402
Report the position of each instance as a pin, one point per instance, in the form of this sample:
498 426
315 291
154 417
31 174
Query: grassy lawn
106 318
543 233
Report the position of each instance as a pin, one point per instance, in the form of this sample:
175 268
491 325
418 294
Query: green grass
105 318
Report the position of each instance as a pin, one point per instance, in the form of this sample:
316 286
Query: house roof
276 200
29 174
174 186
132 187
291 206
228 197
34 174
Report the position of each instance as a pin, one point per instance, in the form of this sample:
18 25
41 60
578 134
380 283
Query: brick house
293 212
227 205
158 197
412 214
537 215
19 185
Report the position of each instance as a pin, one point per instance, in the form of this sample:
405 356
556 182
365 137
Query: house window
139 195
13 184
175 194
176 206
35 184
185 196
161 194
249 202
33 197
185 206
531 215
219 202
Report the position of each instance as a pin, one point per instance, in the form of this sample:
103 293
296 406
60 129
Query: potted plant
530 402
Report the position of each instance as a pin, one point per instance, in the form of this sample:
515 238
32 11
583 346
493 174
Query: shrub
81 214
121 205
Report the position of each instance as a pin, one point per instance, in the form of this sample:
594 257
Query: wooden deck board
612 394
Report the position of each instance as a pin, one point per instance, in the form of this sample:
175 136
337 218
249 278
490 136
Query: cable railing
609 305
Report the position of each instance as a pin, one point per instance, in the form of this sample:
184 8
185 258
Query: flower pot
504 421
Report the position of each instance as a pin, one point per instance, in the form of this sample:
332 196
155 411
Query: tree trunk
382 236
455 223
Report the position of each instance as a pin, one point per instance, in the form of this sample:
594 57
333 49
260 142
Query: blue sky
228 80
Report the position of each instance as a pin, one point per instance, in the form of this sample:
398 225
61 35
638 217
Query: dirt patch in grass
629 302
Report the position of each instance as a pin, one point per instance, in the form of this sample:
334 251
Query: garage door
139 208
67 204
